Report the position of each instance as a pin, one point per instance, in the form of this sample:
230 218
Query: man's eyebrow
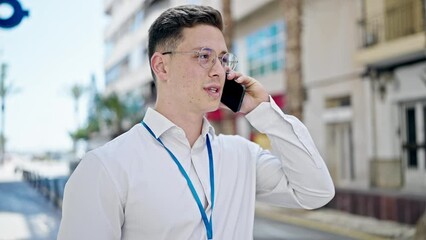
223 52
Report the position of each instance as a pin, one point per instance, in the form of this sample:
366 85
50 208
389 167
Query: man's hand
255 92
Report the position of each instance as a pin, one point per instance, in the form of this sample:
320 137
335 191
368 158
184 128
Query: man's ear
158 66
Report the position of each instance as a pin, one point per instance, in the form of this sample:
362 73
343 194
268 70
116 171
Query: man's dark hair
166 31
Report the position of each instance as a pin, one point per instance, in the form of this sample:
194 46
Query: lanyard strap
207 222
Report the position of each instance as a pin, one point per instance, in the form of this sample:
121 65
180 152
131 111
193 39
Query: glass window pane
266 47
424 134
411 138
274 65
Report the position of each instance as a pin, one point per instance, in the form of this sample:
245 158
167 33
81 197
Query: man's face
193 87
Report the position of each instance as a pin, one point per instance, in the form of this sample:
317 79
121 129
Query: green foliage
77 91
85 132
79 134
113 111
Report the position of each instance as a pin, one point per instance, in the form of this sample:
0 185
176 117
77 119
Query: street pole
3 97
295 93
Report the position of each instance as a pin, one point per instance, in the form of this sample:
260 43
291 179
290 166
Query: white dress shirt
130 188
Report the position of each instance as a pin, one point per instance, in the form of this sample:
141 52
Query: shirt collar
159 124
207 128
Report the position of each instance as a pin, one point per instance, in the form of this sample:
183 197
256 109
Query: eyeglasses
207 58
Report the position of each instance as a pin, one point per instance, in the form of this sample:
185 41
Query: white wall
329 70
329 38
243 8
409 83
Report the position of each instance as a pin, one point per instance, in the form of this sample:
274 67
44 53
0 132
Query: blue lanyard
207 223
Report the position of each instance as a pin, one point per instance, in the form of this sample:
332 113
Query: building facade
259 42
364 73
127 71
335 100
126 40
393 53
364 76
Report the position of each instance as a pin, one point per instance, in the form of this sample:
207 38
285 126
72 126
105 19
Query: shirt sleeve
91 207
294 174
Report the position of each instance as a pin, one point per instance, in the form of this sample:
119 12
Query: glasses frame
231 65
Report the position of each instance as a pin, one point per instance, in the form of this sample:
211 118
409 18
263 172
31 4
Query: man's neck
191 123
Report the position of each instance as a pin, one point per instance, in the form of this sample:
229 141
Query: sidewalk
341 223
24 212
8 174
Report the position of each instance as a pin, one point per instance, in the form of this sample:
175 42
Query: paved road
26 214
265 229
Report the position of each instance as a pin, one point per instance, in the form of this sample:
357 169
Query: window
136 59
112 74
266 49
117 70
109 46
414 133
137 19
344 101
340 151
411 137
339 138
133 23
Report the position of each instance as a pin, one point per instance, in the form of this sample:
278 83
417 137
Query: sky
60 44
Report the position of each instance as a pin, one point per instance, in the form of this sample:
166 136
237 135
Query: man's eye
204 56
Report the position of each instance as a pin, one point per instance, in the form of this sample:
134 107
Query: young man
171 176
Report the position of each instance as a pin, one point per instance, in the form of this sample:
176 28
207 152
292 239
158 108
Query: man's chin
213 108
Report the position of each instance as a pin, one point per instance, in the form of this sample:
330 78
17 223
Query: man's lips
213 90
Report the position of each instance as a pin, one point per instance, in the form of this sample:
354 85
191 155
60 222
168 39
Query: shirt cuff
261 115
266 116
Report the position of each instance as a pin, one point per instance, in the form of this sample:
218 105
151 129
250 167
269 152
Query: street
266 229
26 214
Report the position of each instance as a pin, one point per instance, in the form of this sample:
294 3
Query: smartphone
233 94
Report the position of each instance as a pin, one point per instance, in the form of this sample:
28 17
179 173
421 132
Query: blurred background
75 74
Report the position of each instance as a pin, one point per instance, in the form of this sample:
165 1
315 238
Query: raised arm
294 174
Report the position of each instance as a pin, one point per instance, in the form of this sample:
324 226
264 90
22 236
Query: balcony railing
397 21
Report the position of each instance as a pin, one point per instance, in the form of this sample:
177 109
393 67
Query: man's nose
217 67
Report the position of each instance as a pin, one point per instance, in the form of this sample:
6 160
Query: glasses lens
206 57
229 60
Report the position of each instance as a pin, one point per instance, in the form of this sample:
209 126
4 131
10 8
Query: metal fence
380 204
396 21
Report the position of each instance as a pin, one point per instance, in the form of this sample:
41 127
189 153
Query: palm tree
114 112
120 112
293 56
5 90
76 92
3 97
